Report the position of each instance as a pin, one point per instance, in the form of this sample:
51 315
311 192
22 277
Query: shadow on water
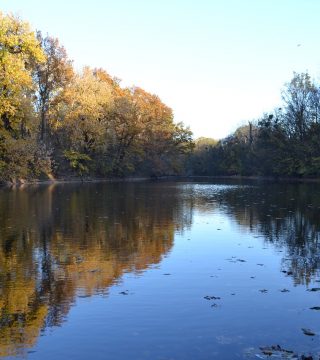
60 242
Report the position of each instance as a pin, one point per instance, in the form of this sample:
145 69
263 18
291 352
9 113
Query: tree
51 78
143 136
124 139
301 99
201 160
52 119
19 51
81 117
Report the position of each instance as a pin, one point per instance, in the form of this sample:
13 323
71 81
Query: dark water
121 270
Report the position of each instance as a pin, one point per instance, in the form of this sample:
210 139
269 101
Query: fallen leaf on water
308 332
270 350
207 297
124 292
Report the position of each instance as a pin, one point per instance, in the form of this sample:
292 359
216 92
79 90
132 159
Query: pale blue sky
217 63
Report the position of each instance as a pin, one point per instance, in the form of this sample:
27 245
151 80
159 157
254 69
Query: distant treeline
284 143
56 121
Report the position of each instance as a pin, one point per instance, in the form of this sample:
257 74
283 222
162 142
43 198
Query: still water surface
158 270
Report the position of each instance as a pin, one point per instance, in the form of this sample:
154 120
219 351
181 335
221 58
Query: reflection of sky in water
121 270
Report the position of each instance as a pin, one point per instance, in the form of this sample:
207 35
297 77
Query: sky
217 63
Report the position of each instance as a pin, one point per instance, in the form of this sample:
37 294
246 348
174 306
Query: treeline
284 143
55 121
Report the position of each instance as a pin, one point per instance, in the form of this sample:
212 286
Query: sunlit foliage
54 120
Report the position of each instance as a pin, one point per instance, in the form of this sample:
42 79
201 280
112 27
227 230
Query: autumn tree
18 52
51 77
55 120
144 137
81 119
159 133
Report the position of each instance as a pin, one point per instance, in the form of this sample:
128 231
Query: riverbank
52 180
256 178
24 182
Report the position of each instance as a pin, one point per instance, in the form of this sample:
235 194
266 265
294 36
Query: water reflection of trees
287 215
58 242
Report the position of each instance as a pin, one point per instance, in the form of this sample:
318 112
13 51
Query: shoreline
23 182
256 178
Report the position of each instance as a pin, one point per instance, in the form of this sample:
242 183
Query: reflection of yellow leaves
18 297
76 257
17 336
2 304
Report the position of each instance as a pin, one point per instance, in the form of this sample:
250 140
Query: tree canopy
58 121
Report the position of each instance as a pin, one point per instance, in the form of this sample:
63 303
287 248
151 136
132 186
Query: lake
160 270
